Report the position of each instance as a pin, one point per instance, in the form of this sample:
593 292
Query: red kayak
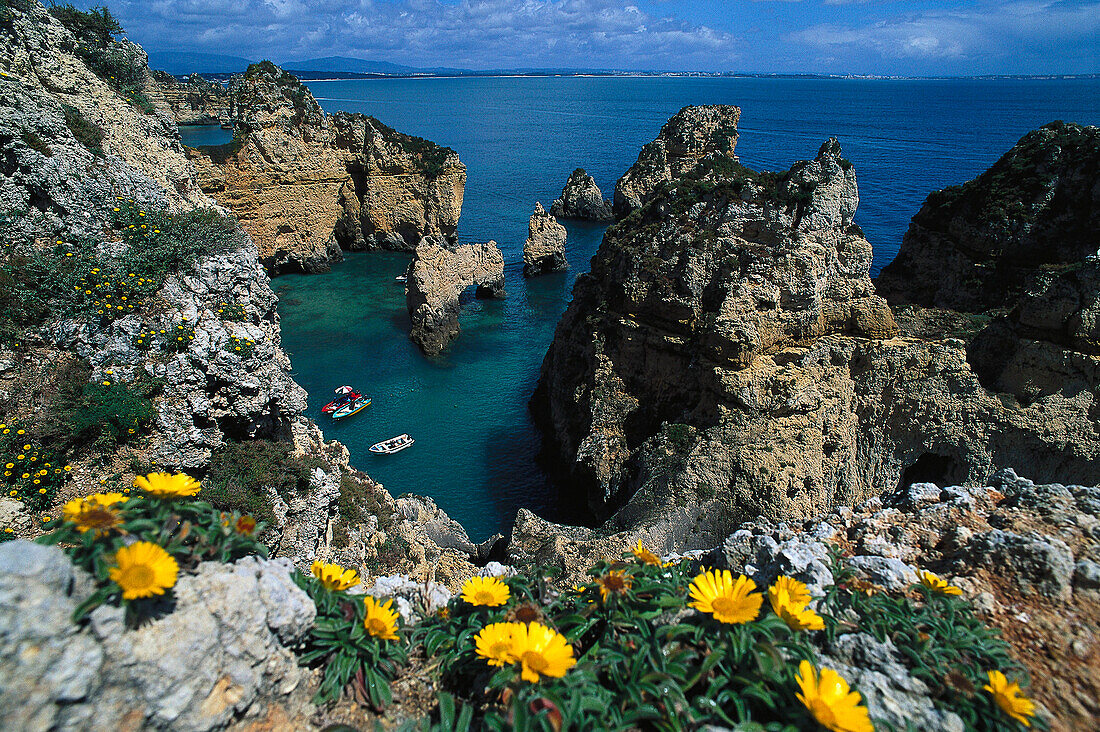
344 395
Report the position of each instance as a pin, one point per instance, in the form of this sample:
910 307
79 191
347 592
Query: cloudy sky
909 37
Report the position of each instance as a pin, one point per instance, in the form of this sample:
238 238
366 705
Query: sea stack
689 136
581 199
439 272
728 358
544 250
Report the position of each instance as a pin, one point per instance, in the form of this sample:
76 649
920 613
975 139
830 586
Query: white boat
392 445
400 278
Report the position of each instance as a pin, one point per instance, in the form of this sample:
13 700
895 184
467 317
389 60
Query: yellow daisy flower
799 618
716 593
542 651
496 643
165 485
485 592
795 592
1009 699
333 576
938 584
615 582
143 569
381 619
645 556
94 513
832 702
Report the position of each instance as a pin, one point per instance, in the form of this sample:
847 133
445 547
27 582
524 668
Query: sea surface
520 138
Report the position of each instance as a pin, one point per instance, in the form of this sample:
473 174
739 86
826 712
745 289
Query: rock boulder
544 250
581 199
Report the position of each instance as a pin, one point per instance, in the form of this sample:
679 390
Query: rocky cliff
581 199
138 330
544 250
687 137
305 184
438 274
194 100
728 358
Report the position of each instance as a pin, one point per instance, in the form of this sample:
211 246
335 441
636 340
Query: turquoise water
520 138
198 135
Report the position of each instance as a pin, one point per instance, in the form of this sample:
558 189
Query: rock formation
223 653
974 247
194 101
70 143
438 274
686 138
728 358
581 199
544 250
305 184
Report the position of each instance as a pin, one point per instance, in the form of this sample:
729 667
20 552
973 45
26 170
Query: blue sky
826 36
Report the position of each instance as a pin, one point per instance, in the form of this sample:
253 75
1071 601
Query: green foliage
96 32
234 313
242 472
190 530
32 473
88 134
36 143
359 500
429 156
351 657
243 347
941 640
179 339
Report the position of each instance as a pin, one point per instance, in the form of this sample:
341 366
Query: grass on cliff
429 156
246 476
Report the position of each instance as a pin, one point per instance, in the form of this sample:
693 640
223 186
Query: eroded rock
544 250
582 200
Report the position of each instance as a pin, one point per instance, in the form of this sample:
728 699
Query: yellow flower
799 618
831 701
542 651
728 601
1009 698
333 576
938 584
485 592
496 643
143 569
95 513
381 619
614 582
788 590
645 556
165 485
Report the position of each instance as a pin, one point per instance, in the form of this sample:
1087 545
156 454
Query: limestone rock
439 272
974 247
306 185
690 135
194 100
544 250
728 358
1037 563
221 655
581 199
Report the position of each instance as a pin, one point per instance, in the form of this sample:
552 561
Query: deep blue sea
520 138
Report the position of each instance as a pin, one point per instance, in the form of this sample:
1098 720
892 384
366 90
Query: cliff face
194 101
438 274
76 156
691 134
728 357
974 247
305 184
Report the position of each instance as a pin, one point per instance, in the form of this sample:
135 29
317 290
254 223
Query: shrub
179 339
86 133
241 473
31 473
358 501
105 414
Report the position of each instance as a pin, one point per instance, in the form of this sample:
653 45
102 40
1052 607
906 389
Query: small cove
520 138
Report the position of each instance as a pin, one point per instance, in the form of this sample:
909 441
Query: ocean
520 137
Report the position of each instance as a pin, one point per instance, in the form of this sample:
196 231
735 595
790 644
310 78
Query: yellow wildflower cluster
30 473
539 650
243 347
234 312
